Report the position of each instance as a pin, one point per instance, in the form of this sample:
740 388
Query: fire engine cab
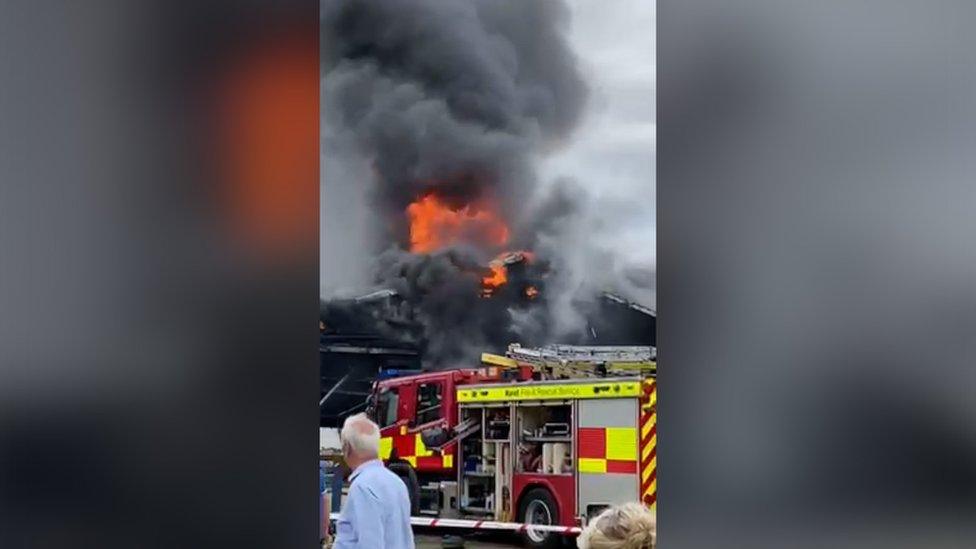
547 436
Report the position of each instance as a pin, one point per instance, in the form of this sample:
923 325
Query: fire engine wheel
406 473
539 507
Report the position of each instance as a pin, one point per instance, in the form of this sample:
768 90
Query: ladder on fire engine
575 361
460 432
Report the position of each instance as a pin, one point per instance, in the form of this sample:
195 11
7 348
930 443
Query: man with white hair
377 512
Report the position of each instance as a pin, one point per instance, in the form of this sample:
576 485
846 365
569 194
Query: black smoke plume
459 99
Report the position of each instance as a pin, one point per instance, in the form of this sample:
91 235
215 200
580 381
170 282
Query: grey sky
612 153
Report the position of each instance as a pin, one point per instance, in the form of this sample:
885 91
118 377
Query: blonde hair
627 526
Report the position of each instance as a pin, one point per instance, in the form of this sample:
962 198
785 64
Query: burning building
353 349
369 335
441 112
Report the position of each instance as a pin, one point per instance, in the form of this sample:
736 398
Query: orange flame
498 276
434 225
499 271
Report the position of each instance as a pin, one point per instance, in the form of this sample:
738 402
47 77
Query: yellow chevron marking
646 473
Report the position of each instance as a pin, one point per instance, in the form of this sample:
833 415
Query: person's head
360 440
627 526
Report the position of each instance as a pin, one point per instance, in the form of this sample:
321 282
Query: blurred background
815 274
814 270
158 274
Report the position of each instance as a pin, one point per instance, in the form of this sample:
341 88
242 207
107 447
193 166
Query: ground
427 541
430 539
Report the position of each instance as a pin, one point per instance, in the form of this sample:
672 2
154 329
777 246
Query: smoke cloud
458 99
457 96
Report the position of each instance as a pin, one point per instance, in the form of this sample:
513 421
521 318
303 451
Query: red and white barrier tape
485 525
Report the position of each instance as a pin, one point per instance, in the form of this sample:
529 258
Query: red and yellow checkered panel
608 450
410 448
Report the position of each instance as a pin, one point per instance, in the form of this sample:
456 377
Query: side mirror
370 407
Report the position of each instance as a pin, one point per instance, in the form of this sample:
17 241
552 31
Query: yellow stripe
649 366
621 443
646 451
590 465
447 460
412 460
386 446
646 428
617 389
648 470
498 360
403 429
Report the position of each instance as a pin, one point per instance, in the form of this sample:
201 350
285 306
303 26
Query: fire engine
545 436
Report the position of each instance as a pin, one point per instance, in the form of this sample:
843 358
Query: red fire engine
547 436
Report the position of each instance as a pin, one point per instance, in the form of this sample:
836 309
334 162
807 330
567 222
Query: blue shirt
376 514
323 478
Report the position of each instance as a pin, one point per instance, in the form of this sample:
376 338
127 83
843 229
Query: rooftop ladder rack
574 361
